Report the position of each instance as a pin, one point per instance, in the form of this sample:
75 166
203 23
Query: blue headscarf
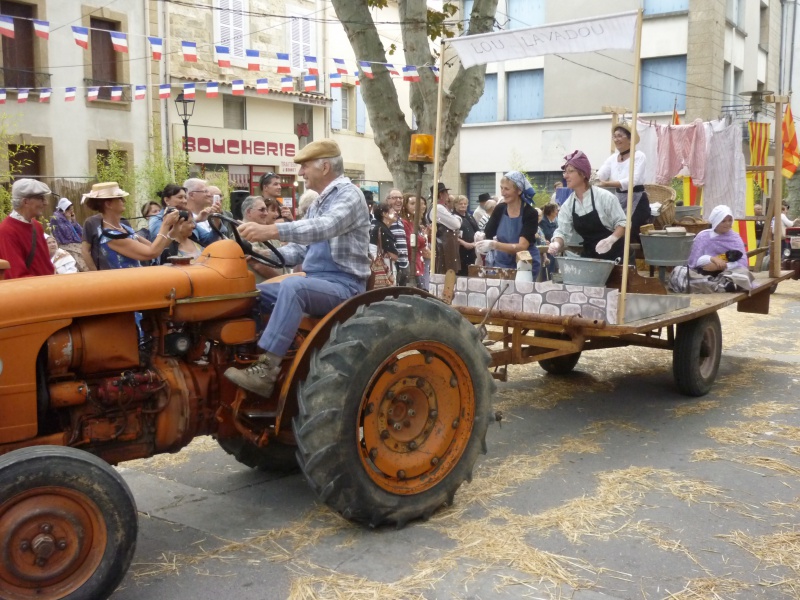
523 185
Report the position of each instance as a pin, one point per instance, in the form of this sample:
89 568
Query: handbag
381 276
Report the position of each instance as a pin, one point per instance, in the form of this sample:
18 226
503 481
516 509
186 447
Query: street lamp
185 108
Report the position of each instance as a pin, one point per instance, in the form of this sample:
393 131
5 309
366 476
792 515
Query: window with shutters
104 57
361 112
301 36
663 82
485 111
347 92
525 95
336 108
18 52
525 13
656 7
232 26
29 159
466 11
233 112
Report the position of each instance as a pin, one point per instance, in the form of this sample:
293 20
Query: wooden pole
773 212
436 154
634 118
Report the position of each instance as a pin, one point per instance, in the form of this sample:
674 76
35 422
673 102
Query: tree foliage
419 26
14 158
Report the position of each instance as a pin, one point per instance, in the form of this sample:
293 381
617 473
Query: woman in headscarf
615 173
591 212
67 232
712 248
513 225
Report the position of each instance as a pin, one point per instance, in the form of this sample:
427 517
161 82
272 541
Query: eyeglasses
264 209
395 197
200 192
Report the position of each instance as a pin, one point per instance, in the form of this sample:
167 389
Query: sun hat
625 126
105 190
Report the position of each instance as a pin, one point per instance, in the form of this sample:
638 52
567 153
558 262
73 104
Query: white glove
479 236
554 248
485 245
604 246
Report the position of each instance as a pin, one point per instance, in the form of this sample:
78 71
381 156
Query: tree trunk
392 132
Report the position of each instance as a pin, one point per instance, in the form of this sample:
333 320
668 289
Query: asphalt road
603 484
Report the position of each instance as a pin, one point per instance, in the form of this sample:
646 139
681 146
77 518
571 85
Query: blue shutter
525 95
485 111
525 13
361 112
336 108
655 7
663 80
466 12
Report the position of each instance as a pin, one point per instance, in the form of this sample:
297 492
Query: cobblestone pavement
603 484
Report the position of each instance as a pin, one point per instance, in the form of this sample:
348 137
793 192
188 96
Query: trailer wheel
695 357
68 525
272 457
560 365
394 412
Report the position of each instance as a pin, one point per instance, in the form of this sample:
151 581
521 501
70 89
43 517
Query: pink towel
681 146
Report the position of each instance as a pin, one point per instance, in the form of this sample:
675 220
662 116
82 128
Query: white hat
64 204
25 188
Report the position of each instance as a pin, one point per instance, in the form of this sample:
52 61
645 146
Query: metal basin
687 211
584 271
663 250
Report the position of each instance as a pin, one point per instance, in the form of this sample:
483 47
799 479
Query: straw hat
105 190
627 127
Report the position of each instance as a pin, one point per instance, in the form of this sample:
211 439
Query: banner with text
616 32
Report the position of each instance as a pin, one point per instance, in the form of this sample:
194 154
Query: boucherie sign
237 147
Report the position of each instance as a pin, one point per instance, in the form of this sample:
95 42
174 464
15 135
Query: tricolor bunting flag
410 73
336 80
163 91
283 63
81 36
759 149
41 29
223 56
311 65
189 51
355 74
22 95
392 70
366 69
44 94
791 153
616 32
69 94
91 93
340 66
310 83
287 84
140 92
7 26
253 60
262 86
116 93
212 89
188 91
237 87
156 47
435 71
119 40
2 96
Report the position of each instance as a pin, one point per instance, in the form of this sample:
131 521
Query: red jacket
15 246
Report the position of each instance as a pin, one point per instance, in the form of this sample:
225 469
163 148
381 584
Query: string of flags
222 55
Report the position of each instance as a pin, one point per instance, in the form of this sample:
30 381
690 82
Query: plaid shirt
340 216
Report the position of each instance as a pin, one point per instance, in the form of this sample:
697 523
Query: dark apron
592 230
640 215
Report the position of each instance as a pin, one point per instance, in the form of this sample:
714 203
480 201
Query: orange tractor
383 404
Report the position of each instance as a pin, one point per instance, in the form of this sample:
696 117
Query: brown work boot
258 378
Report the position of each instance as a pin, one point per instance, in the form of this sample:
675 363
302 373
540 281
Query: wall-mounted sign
237 147
288 167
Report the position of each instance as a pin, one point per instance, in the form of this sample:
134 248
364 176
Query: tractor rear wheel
273 457
67 525
394 412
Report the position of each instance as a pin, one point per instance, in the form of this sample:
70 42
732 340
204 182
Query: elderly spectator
332 243
200 202
22 241
67 232
305 201
480 212
489 208
120 246
263 211
61 259
401 229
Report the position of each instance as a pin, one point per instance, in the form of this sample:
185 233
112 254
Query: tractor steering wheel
246 246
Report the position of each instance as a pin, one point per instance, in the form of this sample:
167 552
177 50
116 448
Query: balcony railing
104 93
22 78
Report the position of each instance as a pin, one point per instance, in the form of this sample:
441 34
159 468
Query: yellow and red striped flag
791 154
759 147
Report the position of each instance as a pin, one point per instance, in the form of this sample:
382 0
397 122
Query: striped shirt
340 216
400 242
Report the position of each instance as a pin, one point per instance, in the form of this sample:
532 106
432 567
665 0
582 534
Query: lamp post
421 153
185 108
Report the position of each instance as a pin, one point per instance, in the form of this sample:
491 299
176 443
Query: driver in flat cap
331 243
22 241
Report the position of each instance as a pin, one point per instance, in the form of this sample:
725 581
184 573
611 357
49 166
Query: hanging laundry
648 145
725 175
681 146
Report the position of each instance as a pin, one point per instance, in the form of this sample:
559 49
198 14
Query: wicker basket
693 224
666 196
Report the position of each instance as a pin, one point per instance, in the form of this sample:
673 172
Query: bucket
584 271
665 250
682 212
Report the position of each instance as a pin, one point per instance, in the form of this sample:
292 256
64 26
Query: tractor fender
287 401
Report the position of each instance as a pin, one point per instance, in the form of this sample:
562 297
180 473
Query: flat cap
325 148
25 188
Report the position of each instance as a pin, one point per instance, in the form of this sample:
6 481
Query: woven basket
693 224
666 196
